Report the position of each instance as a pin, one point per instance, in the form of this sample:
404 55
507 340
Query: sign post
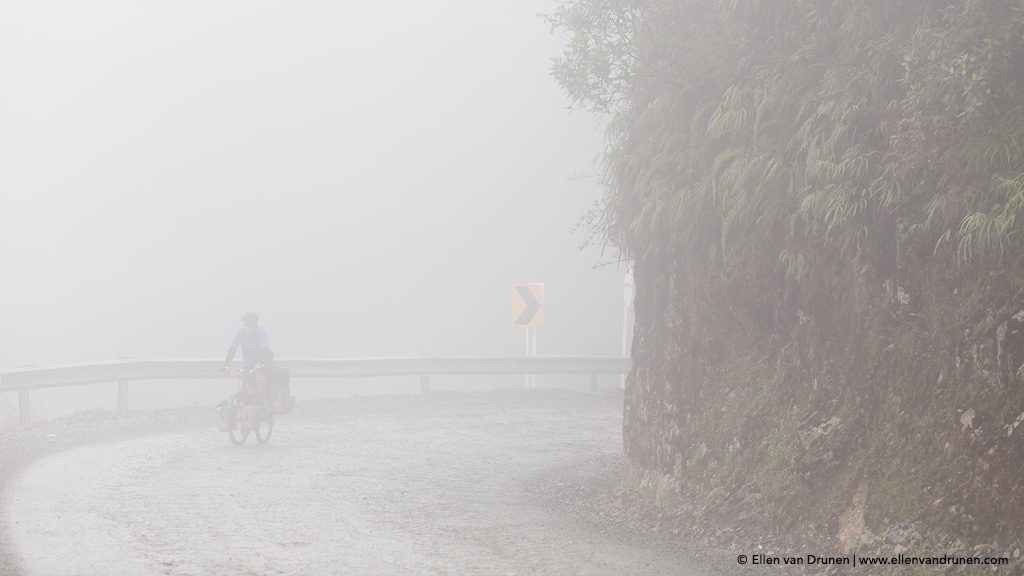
628 290
528 311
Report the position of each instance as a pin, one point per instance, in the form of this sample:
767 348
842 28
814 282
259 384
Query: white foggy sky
370 176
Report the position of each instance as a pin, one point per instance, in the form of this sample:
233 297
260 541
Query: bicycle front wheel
264 429
235 429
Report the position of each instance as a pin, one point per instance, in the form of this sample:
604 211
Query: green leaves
792 132
997 231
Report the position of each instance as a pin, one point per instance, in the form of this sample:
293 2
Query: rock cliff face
824 204
870 399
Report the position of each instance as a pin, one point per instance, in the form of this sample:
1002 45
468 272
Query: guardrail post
24 407
424 383
122 396
593 383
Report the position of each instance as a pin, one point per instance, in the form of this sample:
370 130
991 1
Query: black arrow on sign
532 305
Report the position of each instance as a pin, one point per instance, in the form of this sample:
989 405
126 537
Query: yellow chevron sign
528 305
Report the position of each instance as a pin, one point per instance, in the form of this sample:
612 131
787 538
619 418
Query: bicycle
250 409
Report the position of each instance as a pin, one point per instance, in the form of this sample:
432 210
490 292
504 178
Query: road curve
404 489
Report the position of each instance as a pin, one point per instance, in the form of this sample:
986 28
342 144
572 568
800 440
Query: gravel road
440 484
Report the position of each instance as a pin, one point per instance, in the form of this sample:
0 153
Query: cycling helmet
250 317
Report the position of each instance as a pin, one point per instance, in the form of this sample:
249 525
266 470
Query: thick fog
370 176
824 202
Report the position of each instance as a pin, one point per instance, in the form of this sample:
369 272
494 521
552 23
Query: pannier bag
284 402
224 416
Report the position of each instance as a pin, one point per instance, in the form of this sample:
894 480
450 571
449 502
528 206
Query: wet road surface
417 489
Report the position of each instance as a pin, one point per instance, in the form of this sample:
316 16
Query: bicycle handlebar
243 371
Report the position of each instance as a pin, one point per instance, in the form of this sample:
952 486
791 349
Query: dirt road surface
390 487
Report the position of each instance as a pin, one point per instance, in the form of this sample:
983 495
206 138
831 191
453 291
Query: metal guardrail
123 371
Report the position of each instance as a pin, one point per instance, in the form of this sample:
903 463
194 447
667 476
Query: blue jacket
255 347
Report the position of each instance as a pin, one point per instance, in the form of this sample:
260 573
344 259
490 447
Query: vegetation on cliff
766 130
824 201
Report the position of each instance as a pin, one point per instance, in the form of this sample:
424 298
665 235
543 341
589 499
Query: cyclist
254 341
255 344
